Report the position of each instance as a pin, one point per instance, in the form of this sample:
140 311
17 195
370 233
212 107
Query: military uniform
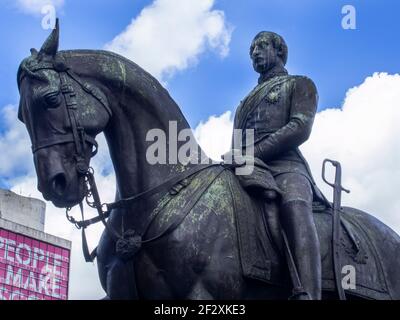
281 110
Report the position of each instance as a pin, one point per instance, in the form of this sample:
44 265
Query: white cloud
169 35
363 136
35 6
14 142
214 135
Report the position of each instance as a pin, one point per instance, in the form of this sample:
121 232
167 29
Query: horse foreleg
117 277
121 282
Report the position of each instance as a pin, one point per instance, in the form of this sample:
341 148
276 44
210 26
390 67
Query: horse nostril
59 184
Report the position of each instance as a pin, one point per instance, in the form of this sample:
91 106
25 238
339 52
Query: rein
134 240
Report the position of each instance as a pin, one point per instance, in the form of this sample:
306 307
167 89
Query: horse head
63 115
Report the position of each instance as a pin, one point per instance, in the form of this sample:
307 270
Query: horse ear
34 52
50 46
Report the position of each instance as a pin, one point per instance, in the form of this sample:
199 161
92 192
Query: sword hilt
337 185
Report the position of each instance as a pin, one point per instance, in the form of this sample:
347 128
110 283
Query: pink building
33 265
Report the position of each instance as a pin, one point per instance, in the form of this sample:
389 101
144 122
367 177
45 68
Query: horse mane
105 53
71 54
148 84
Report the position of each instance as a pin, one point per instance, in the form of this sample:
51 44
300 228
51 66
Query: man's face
263 54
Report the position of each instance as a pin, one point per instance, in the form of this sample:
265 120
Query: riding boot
297 220
271 214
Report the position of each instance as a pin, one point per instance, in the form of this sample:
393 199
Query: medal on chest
273 95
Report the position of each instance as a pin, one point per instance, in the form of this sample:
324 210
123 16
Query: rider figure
281 110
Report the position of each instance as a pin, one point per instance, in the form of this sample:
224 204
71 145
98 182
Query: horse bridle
77 134
79 138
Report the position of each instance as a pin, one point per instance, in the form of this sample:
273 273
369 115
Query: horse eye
52 99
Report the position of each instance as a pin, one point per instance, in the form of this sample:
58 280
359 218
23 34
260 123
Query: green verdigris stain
123 76
210 206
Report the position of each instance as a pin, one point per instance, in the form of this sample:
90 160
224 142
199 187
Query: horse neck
126 137
139 104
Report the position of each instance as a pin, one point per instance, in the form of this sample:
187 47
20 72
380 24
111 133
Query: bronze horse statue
196 239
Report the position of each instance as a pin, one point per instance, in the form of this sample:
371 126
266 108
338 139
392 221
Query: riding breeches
295 187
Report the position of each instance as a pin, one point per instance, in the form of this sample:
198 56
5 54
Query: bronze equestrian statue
190 231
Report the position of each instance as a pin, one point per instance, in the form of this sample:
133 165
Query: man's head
268 50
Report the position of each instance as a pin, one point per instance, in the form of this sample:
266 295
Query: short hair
277 41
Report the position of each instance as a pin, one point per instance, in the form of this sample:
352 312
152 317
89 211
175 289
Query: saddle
360 251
